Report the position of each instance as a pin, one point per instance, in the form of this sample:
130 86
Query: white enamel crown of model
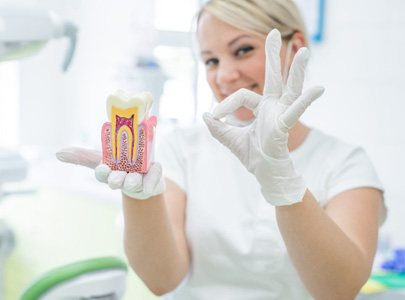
124 100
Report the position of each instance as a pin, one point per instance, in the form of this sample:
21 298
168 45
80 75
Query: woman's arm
333 248
155 241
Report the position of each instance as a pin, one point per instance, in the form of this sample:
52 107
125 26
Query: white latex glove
135 185
262 146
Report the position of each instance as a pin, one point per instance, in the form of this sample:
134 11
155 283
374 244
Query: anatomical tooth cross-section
128 137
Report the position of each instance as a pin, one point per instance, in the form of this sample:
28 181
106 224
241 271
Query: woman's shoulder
318 139
329 149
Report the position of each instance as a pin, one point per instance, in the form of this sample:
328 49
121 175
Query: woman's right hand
135 185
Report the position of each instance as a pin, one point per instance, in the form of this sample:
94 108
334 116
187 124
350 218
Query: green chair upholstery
98 278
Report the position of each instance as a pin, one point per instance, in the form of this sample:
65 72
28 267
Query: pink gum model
144 153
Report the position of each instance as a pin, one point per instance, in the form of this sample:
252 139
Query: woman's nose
227 72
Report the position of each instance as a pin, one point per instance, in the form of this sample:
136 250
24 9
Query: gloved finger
116 179
230 136
133 182
296 77
273 84
102 172
80 156
224 133
241 98
295 111
152 179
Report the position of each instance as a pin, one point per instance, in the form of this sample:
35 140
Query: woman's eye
211 62
243 50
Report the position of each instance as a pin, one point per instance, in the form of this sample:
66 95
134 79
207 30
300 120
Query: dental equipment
25 31
96 278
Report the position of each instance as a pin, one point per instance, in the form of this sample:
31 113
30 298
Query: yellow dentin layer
124 120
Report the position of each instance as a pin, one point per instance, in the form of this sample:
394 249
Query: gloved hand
262 146
135 185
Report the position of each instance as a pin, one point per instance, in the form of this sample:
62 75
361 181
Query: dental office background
136 45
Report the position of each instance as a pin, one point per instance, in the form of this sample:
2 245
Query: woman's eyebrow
238 38
233 41
206 52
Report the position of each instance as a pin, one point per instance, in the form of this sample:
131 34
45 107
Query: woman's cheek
213 86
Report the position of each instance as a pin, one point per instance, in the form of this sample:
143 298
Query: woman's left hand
262 146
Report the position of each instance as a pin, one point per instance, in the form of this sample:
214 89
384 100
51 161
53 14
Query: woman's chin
244 114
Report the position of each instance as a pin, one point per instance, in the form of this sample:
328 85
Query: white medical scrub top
237 251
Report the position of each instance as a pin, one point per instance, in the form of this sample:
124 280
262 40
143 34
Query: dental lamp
24 31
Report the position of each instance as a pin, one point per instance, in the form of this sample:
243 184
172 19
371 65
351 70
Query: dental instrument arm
331 252
154 237
24 31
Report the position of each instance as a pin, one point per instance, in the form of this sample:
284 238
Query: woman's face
233 59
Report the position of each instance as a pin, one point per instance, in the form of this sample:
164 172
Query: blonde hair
258 16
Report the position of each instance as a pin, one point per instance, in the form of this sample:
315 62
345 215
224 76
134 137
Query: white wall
361 65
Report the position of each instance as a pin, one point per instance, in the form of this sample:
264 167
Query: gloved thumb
80 156
153 180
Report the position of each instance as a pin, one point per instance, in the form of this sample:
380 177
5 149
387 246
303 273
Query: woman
305 224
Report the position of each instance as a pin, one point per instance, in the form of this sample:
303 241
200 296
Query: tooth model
127 139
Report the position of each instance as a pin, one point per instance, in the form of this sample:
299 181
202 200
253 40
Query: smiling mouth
253 88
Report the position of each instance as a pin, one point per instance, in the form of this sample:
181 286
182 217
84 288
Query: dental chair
101 278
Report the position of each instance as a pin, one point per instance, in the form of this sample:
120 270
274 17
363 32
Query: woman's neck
297 136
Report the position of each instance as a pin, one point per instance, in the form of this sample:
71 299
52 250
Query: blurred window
175 15
177 101
185 95
9 104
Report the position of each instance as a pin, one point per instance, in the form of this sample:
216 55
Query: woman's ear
291 47
298 41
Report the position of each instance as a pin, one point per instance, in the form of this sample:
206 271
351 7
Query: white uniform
237 251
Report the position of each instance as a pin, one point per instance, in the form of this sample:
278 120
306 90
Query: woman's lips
252 88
